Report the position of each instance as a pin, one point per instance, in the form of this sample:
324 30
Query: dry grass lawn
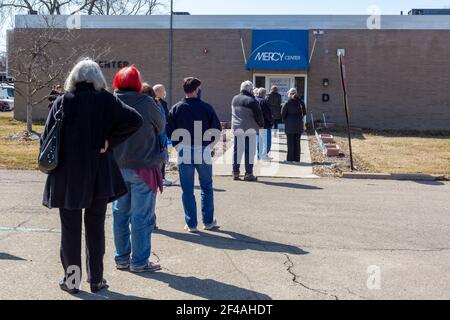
391 153
17 154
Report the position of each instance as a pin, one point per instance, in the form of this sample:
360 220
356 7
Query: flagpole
347 115
170 56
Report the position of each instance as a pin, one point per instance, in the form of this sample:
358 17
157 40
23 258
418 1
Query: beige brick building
398 75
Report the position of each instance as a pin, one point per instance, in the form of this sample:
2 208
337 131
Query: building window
260 82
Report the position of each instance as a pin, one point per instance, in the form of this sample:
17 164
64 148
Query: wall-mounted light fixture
341 52
326 82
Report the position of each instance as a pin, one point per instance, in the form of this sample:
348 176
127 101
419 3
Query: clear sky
294 7
303 6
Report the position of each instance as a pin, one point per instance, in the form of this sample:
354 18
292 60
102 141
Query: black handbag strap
59 115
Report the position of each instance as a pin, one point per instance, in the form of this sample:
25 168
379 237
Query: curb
392 176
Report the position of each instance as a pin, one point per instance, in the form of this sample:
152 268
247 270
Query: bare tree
45 59
98 7
127 7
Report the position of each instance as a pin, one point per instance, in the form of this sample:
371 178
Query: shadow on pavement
236 242
290 185
431 183
296 164
205 288
106 295
214 189
6 256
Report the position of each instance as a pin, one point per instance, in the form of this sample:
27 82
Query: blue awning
279 50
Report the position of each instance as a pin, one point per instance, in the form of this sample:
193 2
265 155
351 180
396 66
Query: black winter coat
274 100
267 112
84 174
292 114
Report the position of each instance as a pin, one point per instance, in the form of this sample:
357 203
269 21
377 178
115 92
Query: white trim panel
299 22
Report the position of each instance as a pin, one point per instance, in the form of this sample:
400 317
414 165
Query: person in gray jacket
140 159
247 119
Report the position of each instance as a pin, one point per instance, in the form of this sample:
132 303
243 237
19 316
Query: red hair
128 78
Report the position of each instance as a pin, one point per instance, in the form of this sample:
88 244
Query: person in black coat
87 176
274 99
54 94
292 114
265 134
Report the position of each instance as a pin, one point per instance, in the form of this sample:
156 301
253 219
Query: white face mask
164 95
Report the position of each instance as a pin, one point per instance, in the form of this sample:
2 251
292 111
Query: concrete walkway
278 167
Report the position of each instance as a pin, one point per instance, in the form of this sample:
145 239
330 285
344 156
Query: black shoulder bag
49 151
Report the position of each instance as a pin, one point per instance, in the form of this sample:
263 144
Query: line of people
254 115
113 149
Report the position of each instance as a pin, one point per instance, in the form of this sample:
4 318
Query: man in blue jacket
194 128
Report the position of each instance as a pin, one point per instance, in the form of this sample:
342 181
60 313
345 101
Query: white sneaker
167 183
191 230
211 226
266 158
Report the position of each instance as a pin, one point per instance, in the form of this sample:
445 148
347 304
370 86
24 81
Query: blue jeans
264 142
276 123
187 173
135 209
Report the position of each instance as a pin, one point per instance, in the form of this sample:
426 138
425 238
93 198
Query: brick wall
396 79
221 69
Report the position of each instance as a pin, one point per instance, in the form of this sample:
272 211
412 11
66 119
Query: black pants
276 123
293 146
71 230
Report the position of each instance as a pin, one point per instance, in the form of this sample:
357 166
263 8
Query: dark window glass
300 86
260 82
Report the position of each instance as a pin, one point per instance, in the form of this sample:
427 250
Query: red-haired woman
140 159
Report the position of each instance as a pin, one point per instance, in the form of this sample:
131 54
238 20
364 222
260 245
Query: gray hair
158 87
86 70
247 86
262 92
292 91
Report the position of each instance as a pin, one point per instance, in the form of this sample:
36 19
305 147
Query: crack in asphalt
156 256
355 294
290 265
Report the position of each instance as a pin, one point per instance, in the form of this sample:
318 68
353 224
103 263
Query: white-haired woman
87 176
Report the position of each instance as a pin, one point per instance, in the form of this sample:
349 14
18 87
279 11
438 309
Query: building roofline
294 22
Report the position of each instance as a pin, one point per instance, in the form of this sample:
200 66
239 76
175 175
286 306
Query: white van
7 95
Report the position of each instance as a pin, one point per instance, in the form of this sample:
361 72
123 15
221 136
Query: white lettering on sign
275 57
